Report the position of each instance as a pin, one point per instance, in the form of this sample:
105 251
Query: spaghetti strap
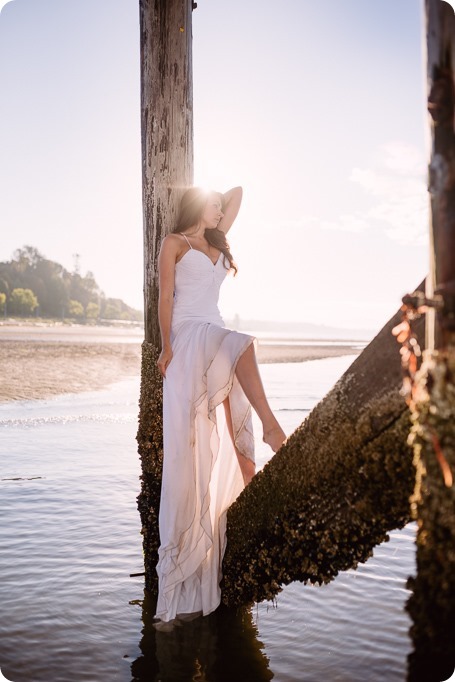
186 239
201 472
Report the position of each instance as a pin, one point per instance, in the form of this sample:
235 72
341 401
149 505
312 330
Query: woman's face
212 213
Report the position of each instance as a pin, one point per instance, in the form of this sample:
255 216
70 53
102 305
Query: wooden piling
432 604
167 169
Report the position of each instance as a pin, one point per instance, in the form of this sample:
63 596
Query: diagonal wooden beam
334 490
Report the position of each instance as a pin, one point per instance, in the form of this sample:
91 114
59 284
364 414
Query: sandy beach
40 361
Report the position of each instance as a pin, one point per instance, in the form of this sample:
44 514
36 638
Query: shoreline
43 362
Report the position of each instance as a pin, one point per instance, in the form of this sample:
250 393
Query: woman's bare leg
247 372
247 466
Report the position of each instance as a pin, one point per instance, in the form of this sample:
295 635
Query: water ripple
32 422
71 540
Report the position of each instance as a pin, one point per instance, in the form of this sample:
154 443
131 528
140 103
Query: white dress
201 474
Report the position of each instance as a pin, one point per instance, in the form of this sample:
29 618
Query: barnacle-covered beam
333 491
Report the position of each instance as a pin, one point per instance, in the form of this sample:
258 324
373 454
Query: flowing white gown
201 474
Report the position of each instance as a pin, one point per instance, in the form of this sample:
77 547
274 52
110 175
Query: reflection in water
221 647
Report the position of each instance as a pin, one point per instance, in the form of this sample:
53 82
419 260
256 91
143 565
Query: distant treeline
33 285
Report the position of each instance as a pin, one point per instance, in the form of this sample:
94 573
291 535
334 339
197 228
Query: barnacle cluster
150 447
334 490
432 603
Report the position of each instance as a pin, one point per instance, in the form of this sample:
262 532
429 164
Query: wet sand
41 361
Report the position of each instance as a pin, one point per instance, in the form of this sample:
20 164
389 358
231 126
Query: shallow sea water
70 537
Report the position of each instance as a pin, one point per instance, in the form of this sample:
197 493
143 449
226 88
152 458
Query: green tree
111 312
84 289
54 287
2 303
47 279
75 309
22 302
53 278
116 309
4 286
27 257
92 311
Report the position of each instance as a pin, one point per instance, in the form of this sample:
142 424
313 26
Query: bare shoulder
172 245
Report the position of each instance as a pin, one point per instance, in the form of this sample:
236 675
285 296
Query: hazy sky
317 109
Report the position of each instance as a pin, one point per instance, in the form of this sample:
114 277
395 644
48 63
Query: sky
317 109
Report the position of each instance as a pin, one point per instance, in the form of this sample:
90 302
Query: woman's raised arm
232 201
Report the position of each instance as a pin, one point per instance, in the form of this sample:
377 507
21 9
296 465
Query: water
70 537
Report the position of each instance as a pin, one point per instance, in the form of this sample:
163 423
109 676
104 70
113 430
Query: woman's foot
247 467
248 471
274 437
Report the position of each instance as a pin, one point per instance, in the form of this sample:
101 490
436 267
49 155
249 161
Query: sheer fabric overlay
201 474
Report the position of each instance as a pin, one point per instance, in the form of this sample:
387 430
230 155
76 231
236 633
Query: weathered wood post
432 604
167 168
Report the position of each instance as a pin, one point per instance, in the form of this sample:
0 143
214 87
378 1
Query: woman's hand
164 360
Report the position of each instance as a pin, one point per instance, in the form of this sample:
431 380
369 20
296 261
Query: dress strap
187 240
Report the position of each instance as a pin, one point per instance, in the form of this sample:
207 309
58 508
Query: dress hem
182 569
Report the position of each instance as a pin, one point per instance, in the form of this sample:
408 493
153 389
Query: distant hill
31 284
305 330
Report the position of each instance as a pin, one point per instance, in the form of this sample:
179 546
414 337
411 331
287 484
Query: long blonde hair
192 207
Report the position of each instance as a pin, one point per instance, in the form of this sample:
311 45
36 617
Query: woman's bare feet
274 437
247 467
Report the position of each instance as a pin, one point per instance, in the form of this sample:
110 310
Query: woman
210 380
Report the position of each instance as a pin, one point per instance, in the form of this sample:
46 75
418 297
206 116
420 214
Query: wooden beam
334 490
